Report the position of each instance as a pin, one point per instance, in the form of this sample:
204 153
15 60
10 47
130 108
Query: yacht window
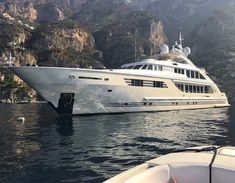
206 89
194 89
175 70
144 67
136 66
155 68
136 82
182 87
182 71
188 73
190 88
158 84
192 74
150 67
160 68
201 89
129 67
202 77
198 89
197 75
186 88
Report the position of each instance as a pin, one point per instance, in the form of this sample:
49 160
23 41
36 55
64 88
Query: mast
180 45
135 45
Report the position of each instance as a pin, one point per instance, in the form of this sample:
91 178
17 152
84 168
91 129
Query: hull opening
65 103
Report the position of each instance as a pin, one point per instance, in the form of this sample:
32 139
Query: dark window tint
188 73
198 89
158 84
137 66
201 77
190 88
192 74
150 67
144 67
186 88
136 82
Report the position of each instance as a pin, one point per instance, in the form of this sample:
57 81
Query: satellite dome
164 49
187 51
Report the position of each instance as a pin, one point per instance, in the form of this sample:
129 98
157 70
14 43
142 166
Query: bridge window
192 74
150 67
130 67
188 73
144 67
136 66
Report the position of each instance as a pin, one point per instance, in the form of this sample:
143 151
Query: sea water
47 148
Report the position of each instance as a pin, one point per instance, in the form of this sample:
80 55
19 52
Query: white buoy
21 119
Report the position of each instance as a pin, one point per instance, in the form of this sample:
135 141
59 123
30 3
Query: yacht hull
84 91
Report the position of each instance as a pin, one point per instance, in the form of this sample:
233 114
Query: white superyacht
169 81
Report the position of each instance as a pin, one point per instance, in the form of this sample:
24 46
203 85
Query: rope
206 149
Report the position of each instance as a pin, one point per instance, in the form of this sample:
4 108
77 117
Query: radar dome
187 51
164 49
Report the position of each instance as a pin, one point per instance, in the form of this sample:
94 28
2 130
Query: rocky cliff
122 36
41 11
92 13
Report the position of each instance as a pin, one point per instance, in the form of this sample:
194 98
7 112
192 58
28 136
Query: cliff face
41 11
182 13
59 37
117 38
25 10
64 44
92 13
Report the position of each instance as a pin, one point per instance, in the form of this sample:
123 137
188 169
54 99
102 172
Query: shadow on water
65 126
93 148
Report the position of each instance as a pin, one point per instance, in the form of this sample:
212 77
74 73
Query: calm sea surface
48 149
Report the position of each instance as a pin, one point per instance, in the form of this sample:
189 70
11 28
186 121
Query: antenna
135 45
180 45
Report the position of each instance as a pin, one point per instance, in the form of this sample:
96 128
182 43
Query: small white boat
210 164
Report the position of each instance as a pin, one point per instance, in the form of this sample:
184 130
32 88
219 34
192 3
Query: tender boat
196 165
168 81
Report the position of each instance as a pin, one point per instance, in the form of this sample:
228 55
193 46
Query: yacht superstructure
169 81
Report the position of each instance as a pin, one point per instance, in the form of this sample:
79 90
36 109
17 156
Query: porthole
106 79
110 90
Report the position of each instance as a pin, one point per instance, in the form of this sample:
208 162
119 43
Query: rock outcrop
122 36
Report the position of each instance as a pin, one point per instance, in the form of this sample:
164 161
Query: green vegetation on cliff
120 36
